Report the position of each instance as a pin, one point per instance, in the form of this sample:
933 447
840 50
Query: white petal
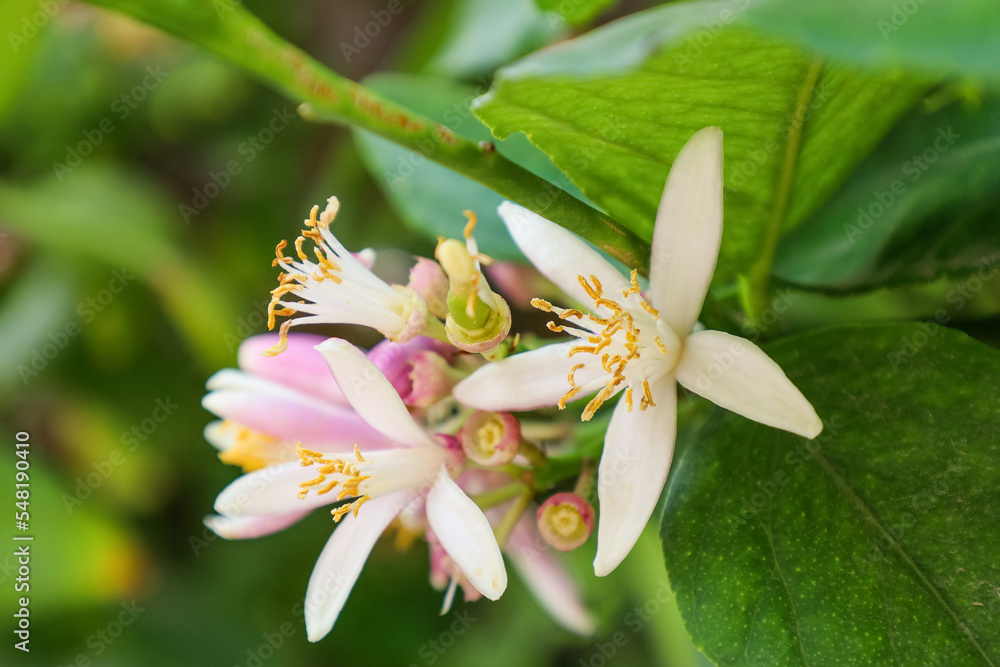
560 255
688 232
250 527
371 394
735 374
271 491
546 578
527 380
466 535
341 561
637 452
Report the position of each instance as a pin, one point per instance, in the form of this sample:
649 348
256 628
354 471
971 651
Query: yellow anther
659 344
648 308
647 395
568 396
542 304
628 398
348 486
282 343
572 372
298 248
470 225
278 256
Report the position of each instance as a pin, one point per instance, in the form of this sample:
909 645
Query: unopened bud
429 281
431 379
456 456
491 438
478 318
565 521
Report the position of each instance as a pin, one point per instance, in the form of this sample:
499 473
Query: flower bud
456 456
491 438
429 281
478 319
431 379
565 521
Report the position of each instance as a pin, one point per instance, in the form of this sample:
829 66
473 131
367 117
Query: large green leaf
613 108
920 206
875 543
956 36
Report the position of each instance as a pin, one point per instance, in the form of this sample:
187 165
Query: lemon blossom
413 473
333 286
641 345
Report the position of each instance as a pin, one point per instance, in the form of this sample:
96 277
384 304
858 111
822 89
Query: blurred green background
118 303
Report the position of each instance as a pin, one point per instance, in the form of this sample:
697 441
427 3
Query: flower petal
371 394
637 452
560 255
688 232
546 577
287 414
341 561
466 535
271 491
735 374
526 381
250 527
300 366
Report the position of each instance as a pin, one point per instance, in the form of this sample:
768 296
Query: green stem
754 290
510 519
489 499
230 31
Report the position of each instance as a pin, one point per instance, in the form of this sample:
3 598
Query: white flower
335 287
640 345
380 484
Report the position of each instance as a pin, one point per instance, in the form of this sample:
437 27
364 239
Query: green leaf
959 36
430 197
873 544
613 108
484 34
921 206
576 12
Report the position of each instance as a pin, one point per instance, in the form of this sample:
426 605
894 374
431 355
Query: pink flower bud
456 455
491 438
565 521
429 281
431 379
